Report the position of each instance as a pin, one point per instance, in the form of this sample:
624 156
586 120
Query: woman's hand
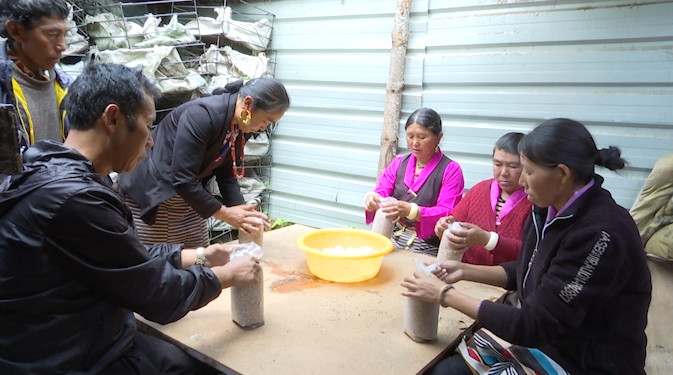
449 271
424 287
442 225
243 217
469 236
396 210
372 201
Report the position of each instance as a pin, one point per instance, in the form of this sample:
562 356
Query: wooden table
319 327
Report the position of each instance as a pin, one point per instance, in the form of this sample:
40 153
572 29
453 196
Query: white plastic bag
110 32
245 65
421 318
445 252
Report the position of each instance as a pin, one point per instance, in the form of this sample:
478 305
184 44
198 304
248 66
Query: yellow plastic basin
340 267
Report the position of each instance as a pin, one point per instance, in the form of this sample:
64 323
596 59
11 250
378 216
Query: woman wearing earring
196 141
426 183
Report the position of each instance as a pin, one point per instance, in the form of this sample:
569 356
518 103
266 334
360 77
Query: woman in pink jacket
426 183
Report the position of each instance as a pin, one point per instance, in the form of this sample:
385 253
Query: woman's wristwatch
442 294
199 257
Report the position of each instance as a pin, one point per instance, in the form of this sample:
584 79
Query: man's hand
216 255
240 271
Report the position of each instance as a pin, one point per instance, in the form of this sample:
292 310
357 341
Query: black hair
100 85
509 143
568 142
29 12
268 94
427 118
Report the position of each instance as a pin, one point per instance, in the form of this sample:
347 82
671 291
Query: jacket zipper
537 242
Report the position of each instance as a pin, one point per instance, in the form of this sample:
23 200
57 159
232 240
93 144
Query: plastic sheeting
76 42
110 32
246 65
254 35
171 34
161 63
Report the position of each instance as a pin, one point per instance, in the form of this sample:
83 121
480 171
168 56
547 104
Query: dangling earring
247 118
437 148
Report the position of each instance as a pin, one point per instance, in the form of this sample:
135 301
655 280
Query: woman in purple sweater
582 280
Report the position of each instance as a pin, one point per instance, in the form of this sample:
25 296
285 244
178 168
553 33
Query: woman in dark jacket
196 141
581 276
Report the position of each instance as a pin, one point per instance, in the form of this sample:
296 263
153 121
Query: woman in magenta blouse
426 183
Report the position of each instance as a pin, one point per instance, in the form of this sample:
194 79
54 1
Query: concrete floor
660 320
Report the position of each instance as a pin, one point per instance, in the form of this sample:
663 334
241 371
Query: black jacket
586 295
72 269
186 142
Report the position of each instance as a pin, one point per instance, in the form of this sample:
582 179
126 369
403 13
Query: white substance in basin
349 250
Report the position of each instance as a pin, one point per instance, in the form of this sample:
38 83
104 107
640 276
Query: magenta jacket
450 194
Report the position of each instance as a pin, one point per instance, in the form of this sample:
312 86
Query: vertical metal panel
487 66
497 66
334 56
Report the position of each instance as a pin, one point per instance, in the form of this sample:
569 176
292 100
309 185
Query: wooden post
395 86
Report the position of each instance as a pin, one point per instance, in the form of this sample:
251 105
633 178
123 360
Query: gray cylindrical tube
382 225
445 252
247 304
420 319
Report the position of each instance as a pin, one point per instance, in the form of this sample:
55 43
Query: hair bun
610 158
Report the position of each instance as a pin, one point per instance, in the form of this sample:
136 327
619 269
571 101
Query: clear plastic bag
247 303
383 225
421 318
445 251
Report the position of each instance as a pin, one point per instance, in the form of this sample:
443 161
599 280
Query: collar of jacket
578 205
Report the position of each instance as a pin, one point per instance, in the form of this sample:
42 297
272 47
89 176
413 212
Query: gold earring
437 148
247 118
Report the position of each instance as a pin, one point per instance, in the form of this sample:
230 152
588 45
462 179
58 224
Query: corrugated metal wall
487 66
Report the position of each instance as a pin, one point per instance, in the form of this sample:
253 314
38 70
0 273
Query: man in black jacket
72 270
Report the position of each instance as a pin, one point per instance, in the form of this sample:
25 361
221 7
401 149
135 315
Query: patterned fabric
177 223
406 238
487 354
498 208
44 75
